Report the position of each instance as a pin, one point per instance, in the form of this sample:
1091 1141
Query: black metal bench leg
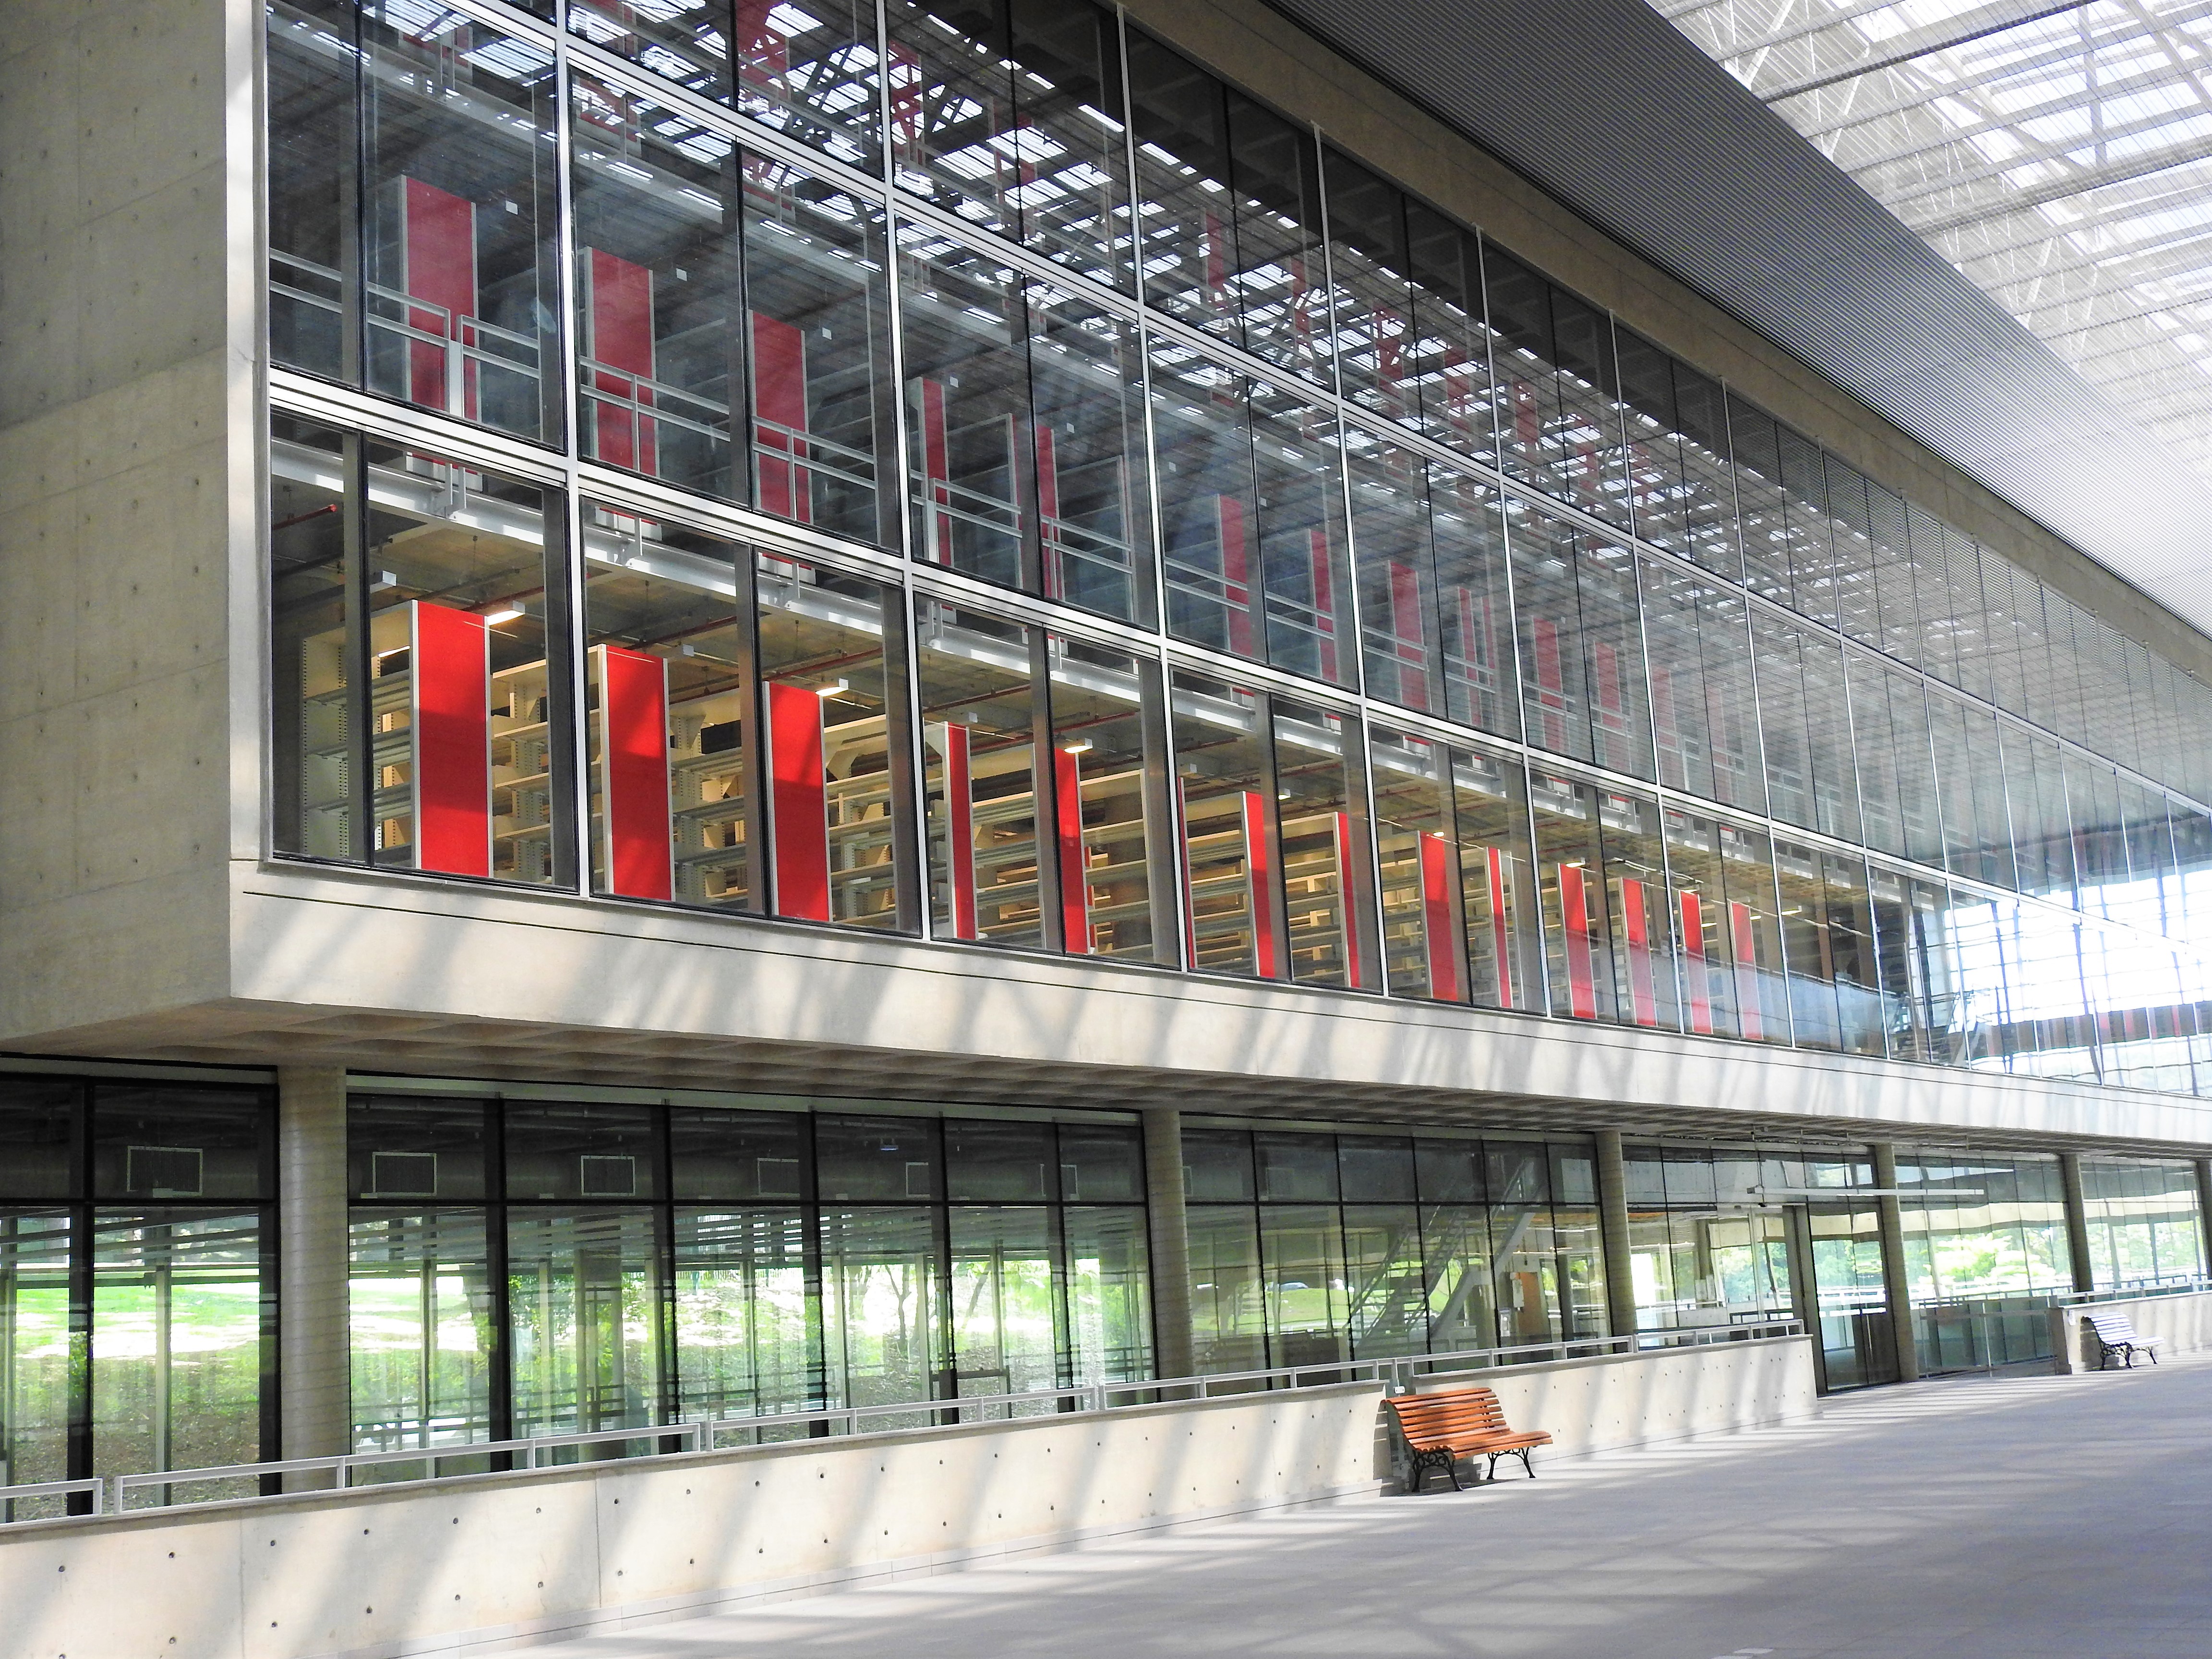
1527 1468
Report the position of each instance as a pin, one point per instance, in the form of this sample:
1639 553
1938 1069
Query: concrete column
2077 1222
312 1337
2204 1215
1612 1234
1170 1242
1897 1286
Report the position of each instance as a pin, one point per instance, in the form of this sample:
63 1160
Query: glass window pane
1329 924
1228 1306
178 1341
875 1157
37 1374
1101 1162
571 1151
460 191
312 682
1369 260
1376 1169
721 1155
748 1331
980 719
1094 512
584 1292
1109 1295
1807 946
1450 343
819 353
1557 391
1295 1168
314 121
1306 564
965 332
1497 877
1302 1246
657 288
459 566
419 1299
1109 773
1217 1164
1398 607
810 73
686 40
991 1160
1229 852
37 1137
1424 935
882 1316
1482 681
837 816
1207 516
1006 1303
1385 1293
665 696
1851 951
1456 1278
398 1147
176 1142
1571 874
1640 915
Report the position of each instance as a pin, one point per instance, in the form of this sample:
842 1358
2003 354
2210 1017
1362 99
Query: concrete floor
1973 1519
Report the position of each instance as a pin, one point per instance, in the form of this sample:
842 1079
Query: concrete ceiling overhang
1606 106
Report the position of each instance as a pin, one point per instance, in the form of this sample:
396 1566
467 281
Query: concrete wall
2179 1324
497 1558
127 495
1604 1403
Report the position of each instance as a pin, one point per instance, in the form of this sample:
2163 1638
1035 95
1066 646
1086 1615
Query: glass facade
1739 743
137 1291
537 1267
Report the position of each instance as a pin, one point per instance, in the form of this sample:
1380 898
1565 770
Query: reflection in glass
1230 858
37 1355
585 1296
1108 772
748 1333
881 1315
978 696
425 1333
1109 1321
1005 1315
1327 909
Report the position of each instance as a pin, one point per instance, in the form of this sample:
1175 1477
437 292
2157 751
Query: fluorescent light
1082 746
832 689
495 618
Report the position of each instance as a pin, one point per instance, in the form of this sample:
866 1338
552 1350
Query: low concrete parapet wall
1615 1401
2178 1323
477 1561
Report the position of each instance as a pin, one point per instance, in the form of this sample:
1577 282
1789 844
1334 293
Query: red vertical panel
1324 600
959 791
1574 918
1745 945
1501 926
779 410
1408 636
1551 682
1693 954
634 810
1074 858
1047 467
1642 997
1260 878
450 660
937 467
1436 918
620 312
439 233
1355 969
1189 902
1236 574
799 803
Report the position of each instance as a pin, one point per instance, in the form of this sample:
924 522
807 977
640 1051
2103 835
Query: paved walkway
1971 1519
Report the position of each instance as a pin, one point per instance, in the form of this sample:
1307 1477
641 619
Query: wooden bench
1441 1428
2115 1334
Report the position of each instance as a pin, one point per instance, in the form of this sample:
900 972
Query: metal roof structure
2028 313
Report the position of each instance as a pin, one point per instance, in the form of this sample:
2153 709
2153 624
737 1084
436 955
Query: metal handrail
1397 1372
2196 1284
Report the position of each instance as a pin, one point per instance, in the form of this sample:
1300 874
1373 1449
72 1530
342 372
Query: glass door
1838 1242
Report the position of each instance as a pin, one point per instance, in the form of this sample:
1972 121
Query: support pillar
1612 1235
312 1335
2077 1222
1896 1283
1169 1239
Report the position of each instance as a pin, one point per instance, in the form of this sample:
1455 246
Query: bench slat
1450 1423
